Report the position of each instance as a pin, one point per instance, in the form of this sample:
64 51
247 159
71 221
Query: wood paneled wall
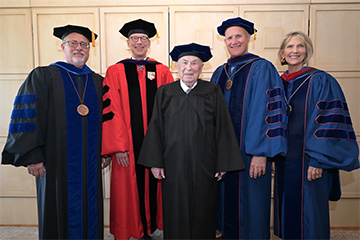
26 41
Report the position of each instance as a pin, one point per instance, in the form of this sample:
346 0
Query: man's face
189 69
237 40
139 44
76 55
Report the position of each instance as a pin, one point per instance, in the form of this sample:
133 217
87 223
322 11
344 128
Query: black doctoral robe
192 137
45 127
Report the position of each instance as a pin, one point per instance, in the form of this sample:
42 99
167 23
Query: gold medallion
83 110
228 84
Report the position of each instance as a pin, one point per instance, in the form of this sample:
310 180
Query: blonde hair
305 38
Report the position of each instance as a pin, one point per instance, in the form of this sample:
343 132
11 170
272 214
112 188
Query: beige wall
26 41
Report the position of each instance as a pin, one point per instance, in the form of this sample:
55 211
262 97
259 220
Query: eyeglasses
143 39
74 44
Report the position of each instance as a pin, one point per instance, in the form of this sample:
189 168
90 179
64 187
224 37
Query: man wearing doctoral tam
189 145
55 132
131 84
255 98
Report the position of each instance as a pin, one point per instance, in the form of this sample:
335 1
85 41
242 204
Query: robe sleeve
165 75
265 117
26 137
215 77
152 149
228 150
114 129
330 137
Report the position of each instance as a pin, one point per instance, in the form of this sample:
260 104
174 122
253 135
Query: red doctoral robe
130 88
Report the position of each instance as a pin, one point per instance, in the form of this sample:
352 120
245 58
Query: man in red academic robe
130 87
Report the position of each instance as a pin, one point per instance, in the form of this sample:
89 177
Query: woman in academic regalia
321 140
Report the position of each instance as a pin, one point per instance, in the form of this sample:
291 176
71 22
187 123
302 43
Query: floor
31 233
16 233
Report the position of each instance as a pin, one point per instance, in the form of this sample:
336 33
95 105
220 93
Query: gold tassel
254 34
93 38
157 33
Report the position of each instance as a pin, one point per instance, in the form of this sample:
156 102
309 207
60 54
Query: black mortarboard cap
248 26
193 49
138 26
62 32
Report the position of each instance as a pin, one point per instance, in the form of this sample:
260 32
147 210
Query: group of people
189 157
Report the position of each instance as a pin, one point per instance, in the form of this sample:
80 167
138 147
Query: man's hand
36 169
106 161
122 158
158 173
219 175
257 166
314 173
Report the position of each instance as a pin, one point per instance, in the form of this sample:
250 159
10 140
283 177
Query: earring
283 61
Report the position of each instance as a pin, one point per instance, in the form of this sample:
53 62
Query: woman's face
294 53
